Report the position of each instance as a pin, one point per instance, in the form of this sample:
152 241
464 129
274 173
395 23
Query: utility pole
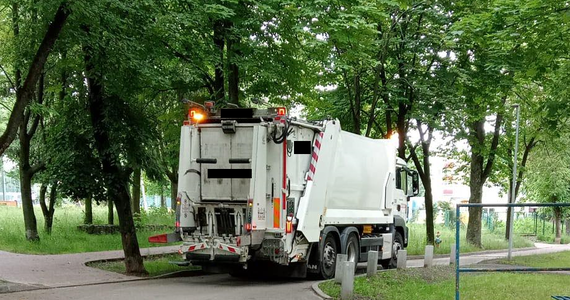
512 200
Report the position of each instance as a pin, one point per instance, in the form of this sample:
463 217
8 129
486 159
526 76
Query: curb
175 274
410 257
87 263
318 291
323 295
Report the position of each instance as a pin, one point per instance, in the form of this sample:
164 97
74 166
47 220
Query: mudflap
314 263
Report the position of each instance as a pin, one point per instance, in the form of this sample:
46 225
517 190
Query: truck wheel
352 250
397 245
328 258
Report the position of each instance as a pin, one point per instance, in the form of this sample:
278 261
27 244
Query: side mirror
415 183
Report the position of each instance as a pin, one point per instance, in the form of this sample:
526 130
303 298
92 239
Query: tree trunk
162 197
402 130
16 31
357 104
426 180
424 171
474 225
430 235
25 93
136 201
476 186
558 221
88 211
528 147
173 193
27 171
51 208
480 171
115 179
233 70
48 209
110 215
219 92
509 200
30 222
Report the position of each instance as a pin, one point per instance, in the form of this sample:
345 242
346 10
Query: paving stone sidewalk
24 271
475 258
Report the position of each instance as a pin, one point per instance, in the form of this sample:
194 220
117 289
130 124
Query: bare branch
9 79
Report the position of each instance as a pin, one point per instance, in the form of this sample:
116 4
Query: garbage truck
259 190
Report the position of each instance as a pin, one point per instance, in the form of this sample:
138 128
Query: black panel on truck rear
229 173
236 113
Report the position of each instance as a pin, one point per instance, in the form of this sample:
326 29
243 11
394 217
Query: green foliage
155 265
65 237
490 240
553 260
438 283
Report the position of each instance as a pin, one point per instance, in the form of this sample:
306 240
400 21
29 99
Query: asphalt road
195 288
222 286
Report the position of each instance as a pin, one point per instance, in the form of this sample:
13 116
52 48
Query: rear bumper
213 251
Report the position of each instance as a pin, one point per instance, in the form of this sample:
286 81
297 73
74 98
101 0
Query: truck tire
352 250
396 246
328 257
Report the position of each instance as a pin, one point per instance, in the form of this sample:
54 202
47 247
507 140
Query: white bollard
372 265
402 259
340 259
428 257
452 255
347 286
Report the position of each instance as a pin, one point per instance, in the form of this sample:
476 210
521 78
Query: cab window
402 180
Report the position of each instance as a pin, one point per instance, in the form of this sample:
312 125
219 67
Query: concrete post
402 259
428 257
347 286
452 255
340 259
372 265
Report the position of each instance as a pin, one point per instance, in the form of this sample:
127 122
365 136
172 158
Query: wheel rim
329 256
395 248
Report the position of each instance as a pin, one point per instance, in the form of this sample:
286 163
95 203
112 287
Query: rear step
180 263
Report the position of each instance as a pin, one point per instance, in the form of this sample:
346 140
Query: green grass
65 237
157 265
438 283
490 240
544 229
552 260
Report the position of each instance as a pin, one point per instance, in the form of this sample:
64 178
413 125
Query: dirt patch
429 275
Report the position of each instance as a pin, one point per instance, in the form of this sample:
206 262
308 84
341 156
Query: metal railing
459 270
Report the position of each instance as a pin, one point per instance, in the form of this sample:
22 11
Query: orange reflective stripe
276 213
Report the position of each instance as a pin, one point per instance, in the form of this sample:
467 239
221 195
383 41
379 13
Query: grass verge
65 237
490 240
438 283
155 265
552 260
